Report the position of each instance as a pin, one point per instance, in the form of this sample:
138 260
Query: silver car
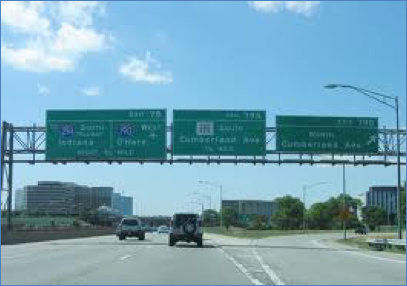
130 227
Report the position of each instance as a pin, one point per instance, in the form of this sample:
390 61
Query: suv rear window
130 222
182 219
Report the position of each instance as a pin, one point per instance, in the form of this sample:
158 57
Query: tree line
328 215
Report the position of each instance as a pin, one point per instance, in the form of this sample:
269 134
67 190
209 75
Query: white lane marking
244 256
265 268
125 257
241 268
318 243
13 257
271 274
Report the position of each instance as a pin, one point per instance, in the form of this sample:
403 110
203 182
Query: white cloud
79 13
25 17
35 58
306 8
77 40
144 70
91 91
43 90
52 36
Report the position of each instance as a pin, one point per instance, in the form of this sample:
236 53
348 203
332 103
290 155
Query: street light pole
304 209
220 206
304 189
382 99
396 100
220 197
344 201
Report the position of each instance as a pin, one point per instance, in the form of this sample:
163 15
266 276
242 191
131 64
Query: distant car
130 227
360 230
148 228
163 229
186 227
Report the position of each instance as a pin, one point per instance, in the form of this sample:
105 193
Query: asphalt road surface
309 259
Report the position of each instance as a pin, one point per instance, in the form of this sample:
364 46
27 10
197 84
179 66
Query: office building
20 200
123 204
384 197
62 198
117 202
127 205
46 197
102 196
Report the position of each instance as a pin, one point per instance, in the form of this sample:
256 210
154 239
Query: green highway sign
106 134
343 135
219 133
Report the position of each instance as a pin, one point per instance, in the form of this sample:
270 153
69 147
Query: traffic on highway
292 260
203 142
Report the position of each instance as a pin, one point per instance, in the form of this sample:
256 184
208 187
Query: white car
163 229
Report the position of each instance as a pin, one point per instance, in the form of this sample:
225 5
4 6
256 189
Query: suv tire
199 243
142 237
171 242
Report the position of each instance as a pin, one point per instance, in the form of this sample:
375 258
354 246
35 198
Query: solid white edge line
271 274
238 265
319 244
14 257
241 268
125 257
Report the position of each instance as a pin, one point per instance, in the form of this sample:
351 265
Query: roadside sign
342 135
219 133
106 134
244 218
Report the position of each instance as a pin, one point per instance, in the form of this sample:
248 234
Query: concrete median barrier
25 236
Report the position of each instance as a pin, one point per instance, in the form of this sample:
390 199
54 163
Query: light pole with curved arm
220 197
382 98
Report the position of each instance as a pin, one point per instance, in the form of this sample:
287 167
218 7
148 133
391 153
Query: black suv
186 227
360 230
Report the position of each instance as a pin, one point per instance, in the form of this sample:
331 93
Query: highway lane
315 260
309 259
108 261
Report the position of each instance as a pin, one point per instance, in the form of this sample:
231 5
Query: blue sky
273 56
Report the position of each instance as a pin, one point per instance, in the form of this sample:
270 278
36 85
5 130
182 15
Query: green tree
229 217
258 222
210 217
331 214
319 216
289 213
374 216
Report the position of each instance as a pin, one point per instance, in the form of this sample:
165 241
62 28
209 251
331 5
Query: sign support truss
26 145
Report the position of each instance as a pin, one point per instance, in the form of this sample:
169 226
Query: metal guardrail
381 244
